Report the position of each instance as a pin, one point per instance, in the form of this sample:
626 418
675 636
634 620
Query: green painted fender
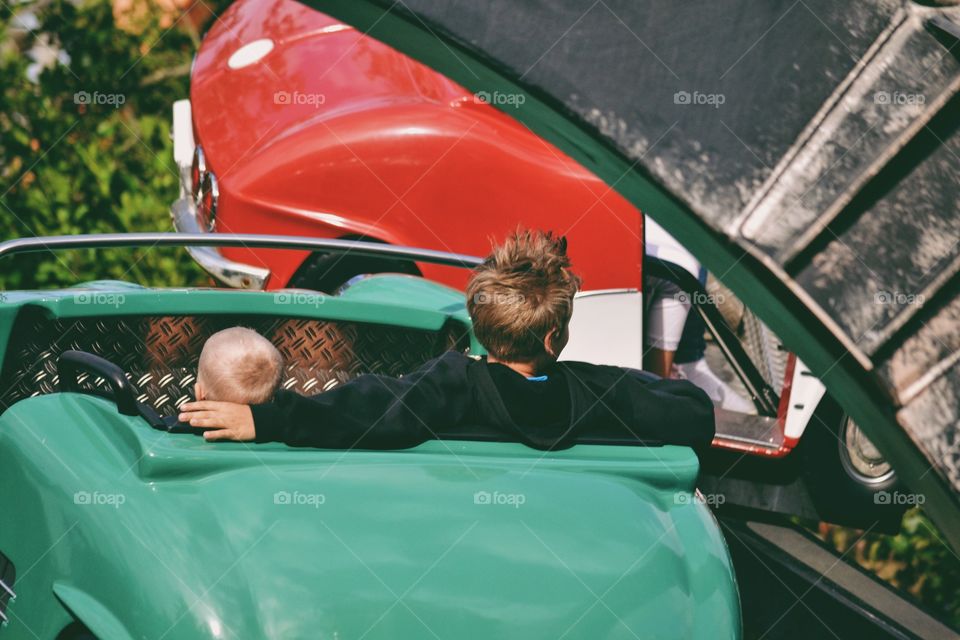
144 534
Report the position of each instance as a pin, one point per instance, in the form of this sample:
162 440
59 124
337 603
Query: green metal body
137 533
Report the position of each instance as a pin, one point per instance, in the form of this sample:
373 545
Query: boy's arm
646 407
370 412
678 411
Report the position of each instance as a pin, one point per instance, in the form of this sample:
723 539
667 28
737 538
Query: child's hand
231 421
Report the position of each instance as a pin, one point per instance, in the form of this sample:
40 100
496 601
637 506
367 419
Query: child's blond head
238 365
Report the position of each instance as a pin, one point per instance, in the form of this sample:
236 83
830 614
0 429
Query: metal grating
160 353
8 574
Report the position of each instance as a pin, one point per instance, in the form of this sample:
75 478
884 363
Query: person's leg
690 363
667 310
693 345
658 361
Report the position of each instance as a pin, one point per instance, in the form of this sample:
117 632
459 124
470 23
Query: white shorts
667 309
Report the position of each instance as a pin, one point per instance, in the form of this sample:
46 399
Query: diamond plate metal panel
160 353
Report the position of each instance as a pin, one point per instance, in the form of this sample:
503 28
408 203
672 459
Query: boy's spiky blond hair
522 291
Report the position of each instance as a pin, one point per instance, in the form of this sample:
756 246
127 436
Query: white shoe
719 391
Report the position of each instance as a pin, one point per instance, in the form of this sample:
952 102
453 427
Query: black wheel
328 272
848 480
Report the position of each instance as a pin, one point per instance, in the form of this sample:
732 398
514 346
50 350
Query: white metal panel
183 133
607 328
805 394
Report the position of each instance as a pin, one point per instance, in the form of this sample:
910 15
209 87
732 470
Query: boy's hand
231 421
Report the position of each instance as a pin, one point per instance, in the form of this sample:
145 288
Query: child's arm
673 411
637 405
371 412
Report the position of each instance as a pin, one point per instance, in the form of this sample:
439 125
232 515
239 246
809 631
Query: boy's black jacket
382 412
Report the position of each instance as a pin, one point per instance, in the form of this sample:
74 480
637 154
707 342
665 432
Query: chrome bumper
184 211
233 274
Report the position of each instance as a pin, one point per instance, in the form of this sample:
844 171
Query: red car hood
290 87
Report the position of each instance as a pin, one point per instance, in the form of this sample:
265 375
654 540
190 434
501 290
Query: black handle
73 362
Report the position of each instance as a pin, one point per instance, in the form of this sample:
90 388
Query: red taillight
204 190
197 171
207 201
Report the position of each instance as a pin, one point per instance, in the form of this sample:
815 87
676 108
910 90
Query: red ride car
300 125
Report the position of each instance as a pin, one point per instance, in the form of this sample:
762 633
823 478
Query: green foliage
67 167
917 561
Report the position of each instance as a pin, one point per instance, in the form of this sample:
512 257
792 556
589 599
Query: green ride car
118 523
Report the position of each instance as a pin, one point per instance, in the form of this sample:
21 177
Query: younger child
238 365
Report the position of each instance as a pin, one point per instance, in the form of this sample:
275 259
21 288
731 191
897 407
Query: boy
238 365
520 300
